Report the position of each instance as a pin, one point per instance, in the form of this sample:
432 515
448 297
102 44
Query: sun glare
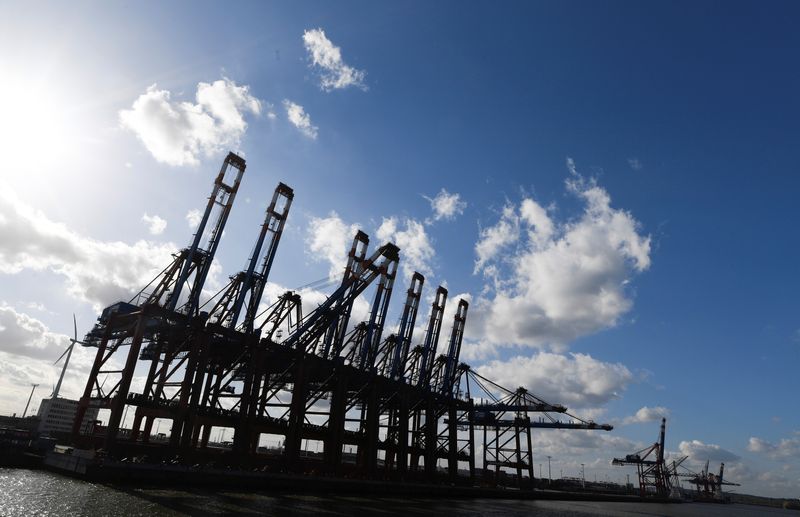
34 131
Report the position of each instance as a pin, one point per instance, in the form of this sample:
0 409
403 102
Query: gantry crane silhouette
228 362
654 476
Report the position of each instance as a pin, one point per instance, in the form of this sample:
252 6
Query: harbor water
41 493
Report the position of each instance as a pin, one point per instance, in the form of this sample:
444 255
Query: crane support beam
227 381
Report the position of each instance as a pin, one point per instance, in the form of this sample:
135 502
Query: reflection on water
28 492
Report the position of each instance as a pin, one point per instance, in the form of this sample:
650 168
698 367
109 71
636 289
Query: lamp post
583 477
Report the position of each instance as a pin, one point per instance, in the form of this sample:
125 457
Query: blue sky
627 169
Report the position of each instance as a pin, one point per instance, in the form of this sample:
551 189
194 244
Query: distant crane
654 477
506 423
707 484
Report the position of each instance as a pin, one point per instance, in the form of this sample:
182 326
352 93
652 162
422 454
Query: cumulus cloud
416 250
784 449
571 168
300 119
327 57
193 218
179 132
155 224
24 335
560 443
646 414
98 272
557 281
329 238
446 205
28 350
635 164
577 380
496 238
700 452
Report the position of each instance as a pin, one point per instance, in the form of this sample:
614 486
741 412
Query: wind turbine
68 353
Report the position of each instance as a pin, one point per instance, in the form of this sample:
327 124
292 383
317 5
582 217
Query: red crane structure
654 476
708 486
230 363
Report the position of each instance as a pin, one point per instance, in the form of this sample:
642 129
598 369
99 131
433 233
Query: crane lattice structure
654 475
264 368
707 484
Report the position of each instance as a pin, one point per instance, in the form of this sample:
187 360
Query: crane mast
246 287
407 321
306 378
380 306
431 337
199 255
454 349
334 336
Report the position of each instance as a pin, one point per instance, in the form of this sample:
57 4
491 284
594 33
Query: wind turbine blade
75 322
64 353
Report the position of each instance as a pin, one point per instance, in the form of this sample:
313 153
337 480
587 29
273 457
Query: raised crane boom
454 349
380 306
407 321
337 327
654 476
200 253
431 337
197 258
307 334
246 287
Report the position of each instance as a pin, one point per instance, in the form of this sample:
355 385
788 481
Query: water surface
39 493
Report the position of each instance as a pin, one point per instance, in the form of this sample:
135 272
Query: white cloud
563 280
446 205
560 443
701 452
98 272
269 110
178 132
36 306
27 354
495 238
635 164
329 238
193 218
24 335
646 414
784 449
155 224
300 119
335 74
416 250
575 380
537 221
571 166
770 483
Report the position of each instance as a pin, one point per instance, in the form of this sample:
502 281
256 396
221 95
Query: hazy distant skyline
612 186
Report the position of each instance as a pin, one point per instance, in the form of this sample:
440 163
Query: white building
57 416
